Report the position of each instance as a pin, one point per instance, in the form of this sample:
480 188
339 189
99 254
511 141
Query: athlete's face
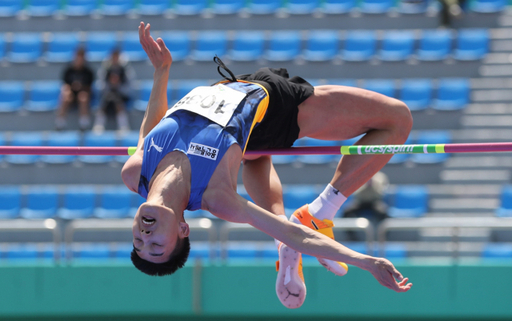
156 230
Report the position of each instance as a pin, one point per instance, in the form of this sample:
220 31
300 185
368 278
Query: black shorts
279 128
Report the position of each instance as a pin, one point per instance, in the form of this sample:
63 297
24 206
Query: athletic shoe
324 227
290 286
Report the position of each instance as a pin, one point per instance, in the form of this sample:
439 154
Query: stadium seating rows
40 8
278 45
86 201
111 138
418 94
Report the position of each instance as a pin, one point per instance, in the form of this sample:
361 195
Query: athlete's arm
225 203
161 58
262 183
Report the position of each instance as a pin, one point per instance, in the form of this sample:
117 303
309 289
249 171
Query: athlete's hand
156 50
387 275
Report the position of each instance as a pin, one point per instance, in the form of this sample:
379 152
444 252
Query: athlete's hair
176 260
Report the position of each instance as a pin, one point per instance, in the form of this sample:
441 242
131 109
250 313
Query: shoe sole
290 288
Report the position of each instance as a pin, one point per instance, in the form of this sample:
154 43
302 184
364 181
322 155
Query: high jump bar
316 150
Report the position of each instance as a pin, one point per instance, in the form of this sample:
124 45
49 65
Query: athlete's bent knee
402 119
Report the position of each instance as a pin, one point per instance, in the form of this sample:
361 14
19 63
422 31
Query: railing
340 224
196 225
22 225
453 223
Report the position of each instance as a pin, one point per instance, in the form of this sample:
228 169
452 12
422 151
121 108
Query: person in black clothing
115 77
76 90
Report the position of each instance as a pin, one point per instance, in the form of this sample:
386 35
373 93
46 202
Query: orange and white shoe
324 227
290 285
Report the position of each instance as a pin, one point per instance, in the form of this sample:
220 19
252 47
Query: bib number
217 103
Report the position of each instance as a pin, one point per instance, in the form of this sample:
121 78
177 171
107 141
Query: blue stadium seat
80 7
452 94
41 202
99 45
153 7
337 6
302 6
342 82
10 201
190 7
505 209
409 201
115 202
295 196
116 7
416 93
208 44
61 138
43 96
497 251
25 47
395 251
359 45
488 6
321 45
376 6
61 47
2 46
413 7
79 202
131 47
317 159
22 252
12 94
144 92
178 43
9 8
25 139
283 46
381 86
471 44
247 46
42 8
106 139
227 6
396 45
122 251
91 251
431 137
435 44
242 252
264 6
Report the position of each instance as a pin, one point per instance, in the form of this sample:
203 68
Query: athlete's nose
145 232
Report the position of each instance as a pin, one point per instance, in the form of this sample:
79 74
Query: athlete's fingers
396 273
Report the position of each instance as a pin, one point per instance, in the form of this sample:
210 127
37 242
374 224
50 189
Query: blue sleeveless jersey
202 140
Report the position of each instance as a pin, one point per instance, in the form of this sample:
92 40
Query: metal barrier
22 225
340 224
196 225
455 223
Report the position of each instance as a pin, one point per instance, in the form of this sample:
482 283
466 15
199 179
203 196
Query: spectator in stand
451 9
76 90
115 77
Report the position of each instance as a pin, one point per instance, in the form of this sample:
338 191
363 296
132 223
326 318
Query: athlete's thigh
340 112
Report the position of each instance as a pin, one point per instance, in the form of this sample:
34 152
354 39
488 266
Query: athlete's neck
170 185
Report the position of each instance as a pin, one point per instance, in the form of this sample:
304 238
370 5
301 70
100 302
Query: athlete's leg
338 112
263 185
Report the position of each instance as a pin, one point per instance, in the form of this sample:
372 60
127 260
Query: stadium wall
441 291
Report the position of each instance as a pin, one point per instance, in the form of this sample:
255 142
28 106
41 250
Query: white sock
327 204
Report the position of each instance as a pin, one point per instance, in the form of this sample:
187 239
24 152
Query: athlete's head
160 240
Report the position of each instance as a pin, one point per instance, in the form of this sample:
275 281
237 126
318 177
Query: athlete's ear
184 229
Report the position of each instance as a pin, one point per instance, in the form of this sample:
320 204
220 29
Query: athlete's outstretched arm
161 58
225 203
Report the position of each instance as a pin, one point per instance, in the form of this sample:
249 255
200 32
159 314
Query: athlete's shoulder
130 174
